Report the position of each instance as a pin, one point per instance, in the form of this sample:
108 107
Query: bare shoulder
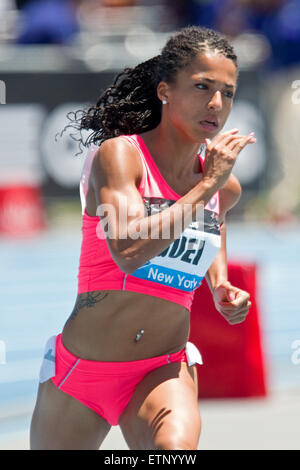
229 195
117 160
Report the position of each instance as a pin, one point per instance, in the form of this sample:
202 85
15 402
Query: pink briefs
105 387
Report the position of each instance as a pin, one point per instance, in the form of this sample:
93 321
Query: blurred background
57 56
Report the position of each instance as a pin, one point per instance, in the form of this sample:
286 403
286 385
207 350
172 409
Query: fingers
229 141
236 311
230 317
233 315
241 300
220 137
235 305
239 144
237 320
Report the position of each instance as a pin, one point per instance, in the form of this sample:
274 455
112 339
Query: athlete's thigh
163 412
60 422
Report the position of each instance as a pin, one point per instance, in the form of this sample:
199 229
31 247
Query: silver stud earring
164 102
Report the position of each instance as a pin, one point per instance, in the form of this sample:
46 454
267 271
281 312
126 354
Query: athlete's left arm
231 302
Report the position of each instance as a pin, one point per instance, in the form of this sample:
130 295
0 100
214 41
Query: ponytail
129 106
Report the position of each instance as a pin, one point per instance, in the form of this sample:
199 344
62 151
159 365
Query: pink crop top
173 274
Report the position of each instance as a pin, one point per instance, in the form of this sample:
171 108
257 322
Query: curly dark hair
131 105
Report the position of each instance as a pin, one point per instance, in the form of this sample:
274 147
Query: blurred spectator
180 9
203 12
119 3
21 3
47 21
278 20
281 24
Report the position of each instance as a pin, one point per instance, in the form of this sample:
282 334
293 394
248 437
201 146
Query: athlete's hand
221 155
232 303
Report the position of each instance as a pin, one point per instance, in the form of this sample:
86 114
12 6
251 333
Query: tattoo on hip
87 300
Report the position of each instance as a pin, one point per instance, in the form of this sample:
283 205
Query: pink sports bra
173 274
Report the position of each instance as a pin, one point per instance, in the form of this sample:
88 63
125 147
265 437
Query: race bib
185 262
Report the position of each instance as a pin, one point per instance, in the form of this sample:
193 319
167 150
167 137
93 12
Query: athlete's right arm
134 238
115 177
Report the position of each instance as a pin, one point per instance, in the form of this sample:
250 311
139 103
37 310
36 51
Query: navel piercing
139 335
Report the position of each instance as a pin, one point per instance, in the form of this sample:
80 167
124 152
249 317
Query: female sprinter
123 356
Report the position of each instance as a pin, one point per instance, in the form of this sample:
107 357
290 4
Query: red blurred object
21 211
232 355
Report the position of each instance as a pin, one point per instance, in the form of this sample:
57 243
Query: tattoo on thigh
88 299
